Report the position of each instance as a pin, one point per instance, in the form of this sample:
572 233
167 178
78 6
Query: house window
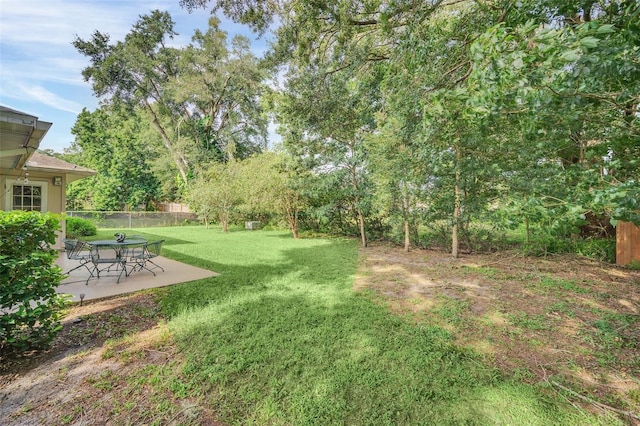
29 197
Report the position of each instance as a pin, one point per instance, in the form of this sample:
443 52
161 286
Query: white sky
41 72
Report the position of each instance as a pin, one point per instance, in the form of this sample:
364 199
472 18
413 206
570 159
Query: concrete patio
105 286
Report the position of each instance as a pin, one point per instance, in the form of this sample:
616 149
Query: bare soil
566 324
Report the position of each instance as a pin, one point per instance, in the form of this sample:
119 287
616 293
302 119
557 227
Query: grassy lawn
282 337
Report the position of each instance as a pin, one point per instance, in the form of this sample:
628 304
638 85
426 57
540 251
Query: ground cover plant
317 331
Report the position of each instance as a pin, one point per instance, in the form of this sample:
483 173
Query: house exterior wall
53 196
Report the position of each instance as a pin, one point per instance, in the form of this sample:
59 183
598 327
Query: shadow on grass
324 268
296 359
288 341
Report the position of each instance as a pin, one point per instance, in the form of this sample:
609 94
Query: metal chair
150 251
136 250
111 255
78 250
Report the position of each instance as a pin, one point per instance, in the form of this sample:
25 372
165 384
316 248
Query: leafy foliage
216 193
29 305
398 115
79 227
113 142
199 100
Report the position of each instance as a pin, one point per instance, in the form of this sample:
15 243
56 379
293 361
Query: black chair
135 250
150 251
78 250
110 255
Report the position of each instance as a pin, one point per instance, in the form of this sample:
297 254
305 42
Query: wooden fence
627 243
172 207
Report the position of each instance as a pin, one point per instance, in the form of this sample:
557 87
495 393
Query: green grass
531 322
281 338
558 286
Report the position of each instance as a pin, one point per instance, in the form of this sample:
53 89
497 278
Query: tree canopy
199 99
404 114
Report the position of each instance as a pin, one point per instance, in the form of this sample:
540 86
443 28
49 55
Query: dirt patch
99 371
566 323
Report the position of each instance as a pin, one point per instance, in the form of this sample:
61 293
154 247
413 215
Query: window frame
42 184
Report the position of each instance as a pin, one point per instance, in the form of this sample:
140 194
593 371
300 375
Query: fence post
129 219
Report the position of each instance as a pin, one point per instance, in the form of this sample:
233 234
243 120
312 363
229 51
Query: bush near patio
78 227
29 305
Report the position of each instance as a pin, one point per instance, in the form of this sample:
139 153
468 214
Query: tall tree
109 141
536 99
135 71
220 88
328 117
199 99
571 70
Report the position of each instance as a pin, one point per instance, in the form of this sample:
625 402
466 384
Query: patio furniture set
120 256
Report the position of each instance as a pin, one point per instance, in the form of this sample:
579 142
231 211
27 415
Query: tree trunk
354 183
405 207
526 224
224 219
363 235
407 238
179 161
456 210
294 229
292 218
289 205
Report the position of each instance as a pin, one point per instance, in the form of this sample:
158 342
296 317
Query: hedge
30 309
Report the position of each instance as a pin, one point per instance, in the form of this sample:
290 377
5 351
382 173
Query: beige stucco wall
54 197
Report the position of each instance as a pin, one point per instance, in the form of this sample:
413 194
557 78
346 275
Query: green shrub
602 249
29 305
78 227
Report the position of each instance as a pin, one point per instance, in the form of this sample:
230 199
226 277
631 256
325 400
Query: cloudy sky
40 71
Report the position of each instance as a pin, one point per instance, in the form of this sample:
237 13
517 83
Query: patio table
124 244
119 250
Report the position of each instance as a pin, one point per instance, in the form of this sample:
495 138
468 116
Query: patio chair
138 249
78 250
150 251
110 255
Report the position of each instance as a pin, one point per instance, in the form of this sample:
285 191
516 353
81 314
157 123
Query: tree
400 178
220 89
216 192
533 102
325 124
572 68
273 184
199 99
135 72
109 141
